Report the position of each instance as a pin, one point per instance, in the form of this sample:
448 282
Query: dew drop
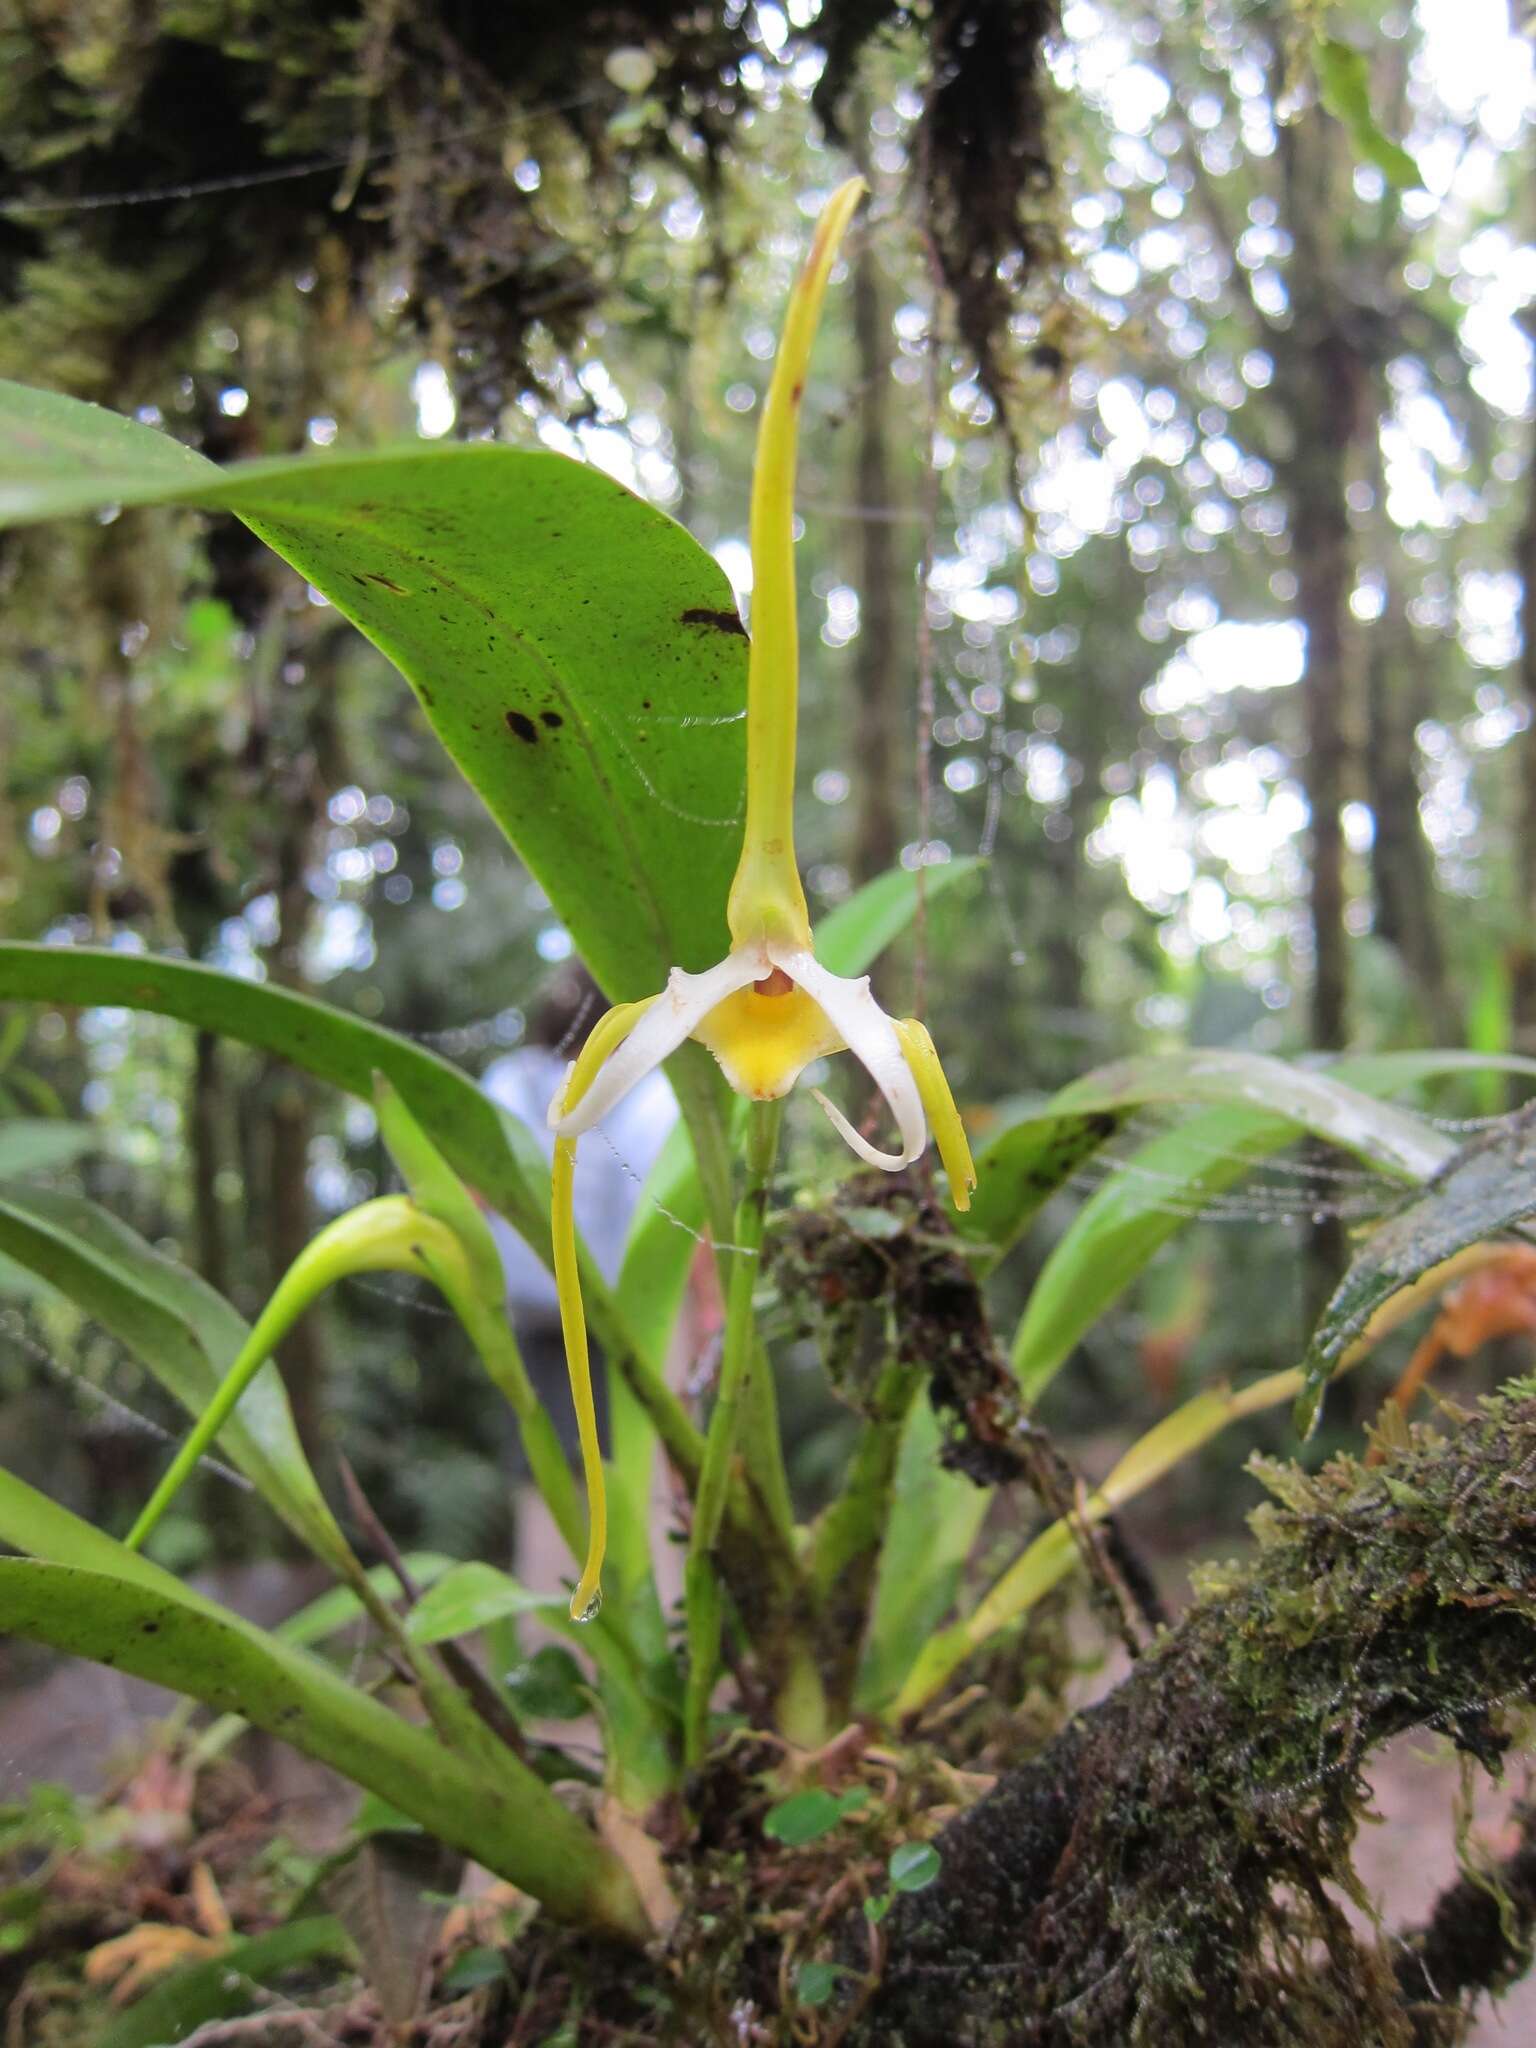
589 1609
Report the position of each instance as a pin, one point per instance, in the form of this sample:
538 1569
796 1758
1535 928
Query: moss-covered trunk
1159 1873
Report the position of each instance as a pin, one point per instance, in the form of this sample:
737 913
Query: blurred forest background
1169 512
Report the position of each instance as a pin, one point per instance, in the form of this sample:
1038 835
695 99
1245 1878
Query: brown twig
461 1667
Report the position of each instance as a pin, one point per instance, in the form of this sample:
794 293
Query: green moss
1168 1869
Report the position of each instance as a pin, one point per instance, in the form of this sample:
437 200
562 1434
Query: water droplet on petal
589 1609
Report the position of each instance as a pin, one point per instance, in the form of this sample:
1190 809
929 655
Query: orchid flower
769 1007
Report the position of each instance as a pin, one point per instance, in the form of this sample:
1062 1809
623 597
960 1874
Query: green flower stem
702 1594
845 1549
762 1448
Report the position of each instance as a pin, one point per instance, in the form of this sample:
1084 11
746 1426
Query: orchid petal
939 1103
670 1017
870 1035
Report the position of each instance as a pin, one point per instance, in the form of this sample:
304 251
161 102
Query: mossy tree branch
1160 1871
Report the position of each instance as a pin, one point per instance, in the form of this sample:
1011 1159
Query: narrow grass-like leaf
852 937
478 1138
1166 1182
935 1517
495 1153
183 1332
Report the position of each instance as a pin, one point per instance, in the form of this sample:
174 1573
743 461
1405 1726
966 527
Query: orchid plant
769 1008
498 580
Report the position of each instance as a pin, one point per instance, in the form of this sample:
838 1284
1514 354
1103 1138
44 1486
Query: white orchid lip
852 1018
675 1015
870 1035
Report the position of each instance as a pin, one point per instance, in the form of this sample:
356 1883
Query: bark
1523 990
205 1134
1319 383
1401 874
1162 1871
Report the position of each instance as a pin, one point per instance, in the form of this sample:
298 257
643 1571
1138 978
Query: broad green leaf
227 1985
934 1520
1488 1188
160 1632
550 1686
1161 1185
468 1598
1344 85
816 1982
185 1333
852 937
576 651
40 1144
479 1139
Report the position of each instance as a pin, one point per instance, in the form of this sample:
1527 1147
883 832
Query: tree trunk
1319 382
1523 977
1401 873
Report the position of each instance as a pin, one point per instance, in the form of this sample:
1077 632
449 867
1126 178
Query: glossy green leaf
1344 85
183 1332
156 1630
227 1985
470 1597
914 1866
1487 1188
42 1144
576 651
1140 1206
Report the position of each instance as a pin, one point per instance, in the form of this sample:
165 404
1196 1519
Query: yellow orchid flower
769 1007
